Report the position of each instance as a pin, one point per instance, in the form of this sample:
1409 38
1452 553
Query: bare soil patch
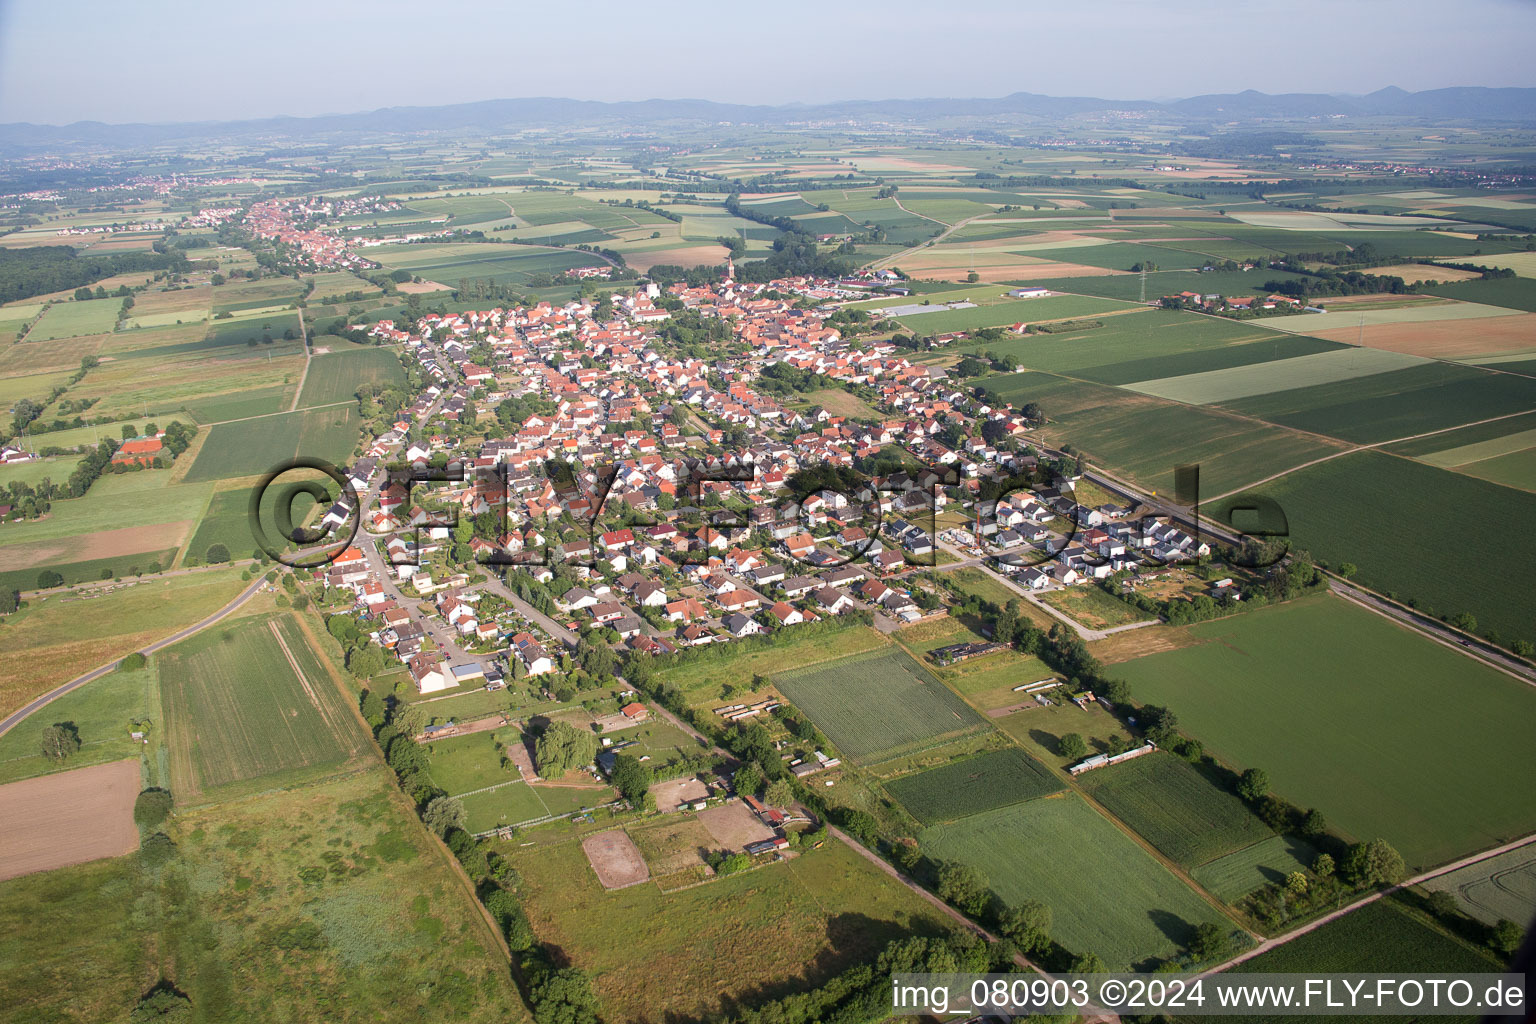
130 540
1413 272
674 793
615 859
68 818
678 844
412 288
733 826
1447 339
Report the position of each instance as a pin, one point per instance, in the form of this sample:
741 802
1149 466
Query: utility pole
1143 282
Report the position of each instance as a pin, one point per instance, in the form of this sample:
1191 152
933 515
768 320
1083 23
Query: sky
188 60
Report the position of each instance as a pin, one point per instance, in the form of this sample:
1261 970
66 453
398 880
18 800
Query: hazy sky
175 60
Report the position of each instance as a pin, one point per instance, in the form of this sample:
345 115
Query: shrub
152 807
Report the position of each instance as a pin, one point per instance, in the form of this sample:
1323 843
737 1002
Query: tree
443 814
1373 863
562 747
1210 942
563 997
372 707
747 780
60 740
1028 924
1465 621
1322 867
860 824
216 553
1505 937
1088 963
779 793
964 887
1313 823
151 807
132 662
1073 745
1348 569
1253 785
632 778
162 1004
48 578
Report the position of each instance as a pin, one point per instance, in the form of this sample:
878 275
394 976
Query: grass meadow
73 319
1412 732
256 447
752 936
1268 862
286 906
101 711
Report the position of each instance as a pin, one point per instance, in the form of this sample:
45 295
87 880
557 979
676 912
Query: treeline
553 992
55 268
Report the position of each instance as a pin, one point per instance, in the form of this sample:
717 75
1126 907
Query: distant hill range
1215 111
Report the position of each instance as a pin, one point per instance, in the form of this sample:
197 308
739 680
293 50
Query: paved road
16 717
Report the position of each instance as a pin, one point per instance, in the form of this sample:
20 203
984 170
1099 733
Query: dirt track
68 818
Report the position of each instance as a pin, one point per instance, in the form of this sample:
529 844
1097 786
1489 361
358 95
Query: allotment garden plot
878 705
248 700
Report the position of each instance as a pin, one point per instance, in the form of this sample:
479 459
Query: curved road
13 719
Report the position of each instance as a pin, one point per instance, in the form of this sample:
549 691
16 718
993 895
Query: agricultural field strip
1462 455
1311 323
1213 386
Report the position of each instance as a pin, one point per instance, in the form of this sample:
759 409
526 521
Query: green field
1234 876
1510 292
272 908
1175 808
973 785
1144 438
335 376
238 405
1341 511
1411 734
236 709
1153 345
72 319
255 447
877 705
1380 936
1394 404
1063 853
1499 888
1231 383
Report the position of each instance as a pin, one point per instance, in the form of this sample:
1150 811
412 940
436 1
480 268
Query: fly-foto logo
824 517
